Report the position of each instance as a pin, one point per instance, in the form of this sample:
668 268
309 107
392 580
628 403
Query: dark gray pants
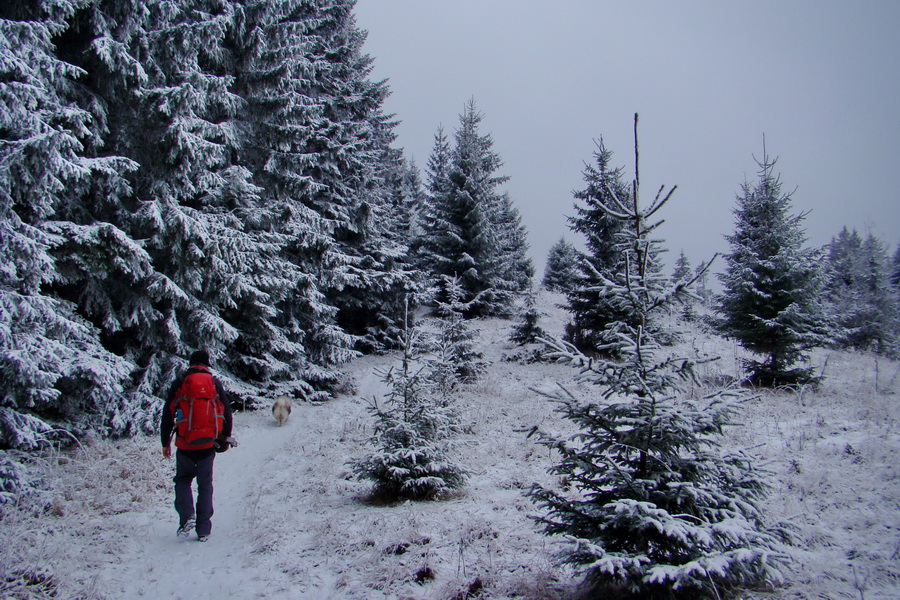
186 470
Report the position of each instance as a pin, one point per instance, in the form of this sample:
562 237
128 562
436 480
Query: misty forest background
221 174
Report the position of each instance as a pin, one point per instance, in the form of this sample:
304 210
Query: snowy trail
270 488
154 563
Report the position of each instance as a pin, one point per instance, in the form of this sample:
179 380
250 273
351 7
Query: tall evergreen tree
427 245
561 270
657 508
843 287
771 284
863 304
160 86
588 301
474 234
392 237
282 67
114 280
194 197
515 269
354 161
53 365
407 205
243 144
884 322
320 142
218 270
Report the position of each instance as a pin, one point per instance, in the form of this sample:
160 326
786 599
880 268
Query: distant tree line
779 297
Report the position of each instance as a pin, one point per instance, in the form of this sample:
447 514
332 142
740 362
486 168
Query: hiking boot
186 529
202 538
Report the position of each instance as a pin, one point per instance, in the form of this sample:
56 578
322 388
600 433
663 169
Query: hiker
199 412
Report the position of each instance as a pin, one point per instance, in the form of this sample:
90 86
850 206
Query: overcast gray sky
708 77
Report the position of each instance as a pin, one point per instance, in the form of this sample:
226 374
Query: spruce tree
681 273
895 269
212 173
561 270
53 366
456 358
528 330
682 270
657 507
588 300
473 232
413 435
594 312
843 289
370 276
194 198
428 241
701 288
320 145
114 279
771 284
160 83
407 206
516 271
883 329
280 55
393 228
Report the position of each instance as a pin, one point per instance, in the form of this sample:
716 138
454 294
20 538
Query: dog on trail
281 410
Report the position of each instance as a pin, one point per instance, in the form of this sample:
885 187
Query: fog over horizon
709 80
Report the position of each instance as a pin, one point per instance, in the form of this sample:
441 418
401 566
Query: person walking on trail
198 412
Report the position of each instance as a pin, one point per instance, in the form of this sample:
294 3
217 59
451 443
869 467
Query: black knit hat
199 357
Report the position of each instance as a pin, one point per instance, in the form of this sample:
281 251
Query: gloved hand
223 444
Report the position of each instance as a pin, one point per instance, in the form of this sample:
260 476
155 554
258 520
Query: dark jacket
167 422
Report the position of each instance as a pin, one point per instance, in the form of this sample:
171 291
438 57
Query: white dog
281 410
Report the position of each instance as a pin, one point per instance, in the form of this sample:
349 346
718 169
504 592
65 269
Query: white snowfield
291 523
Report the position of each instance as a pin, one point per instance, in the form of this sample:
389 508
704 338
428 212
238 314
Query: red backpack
198 411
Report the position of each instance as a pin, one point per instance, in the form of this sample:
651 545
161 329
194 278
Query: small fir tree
413 436
863 305
771 284
456 359
657 508
561 270
527 330
895 269
680 274
588 301
682 271
701 285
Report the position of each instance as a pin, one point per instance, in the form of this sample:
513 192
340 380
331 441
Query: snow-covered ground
290 521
